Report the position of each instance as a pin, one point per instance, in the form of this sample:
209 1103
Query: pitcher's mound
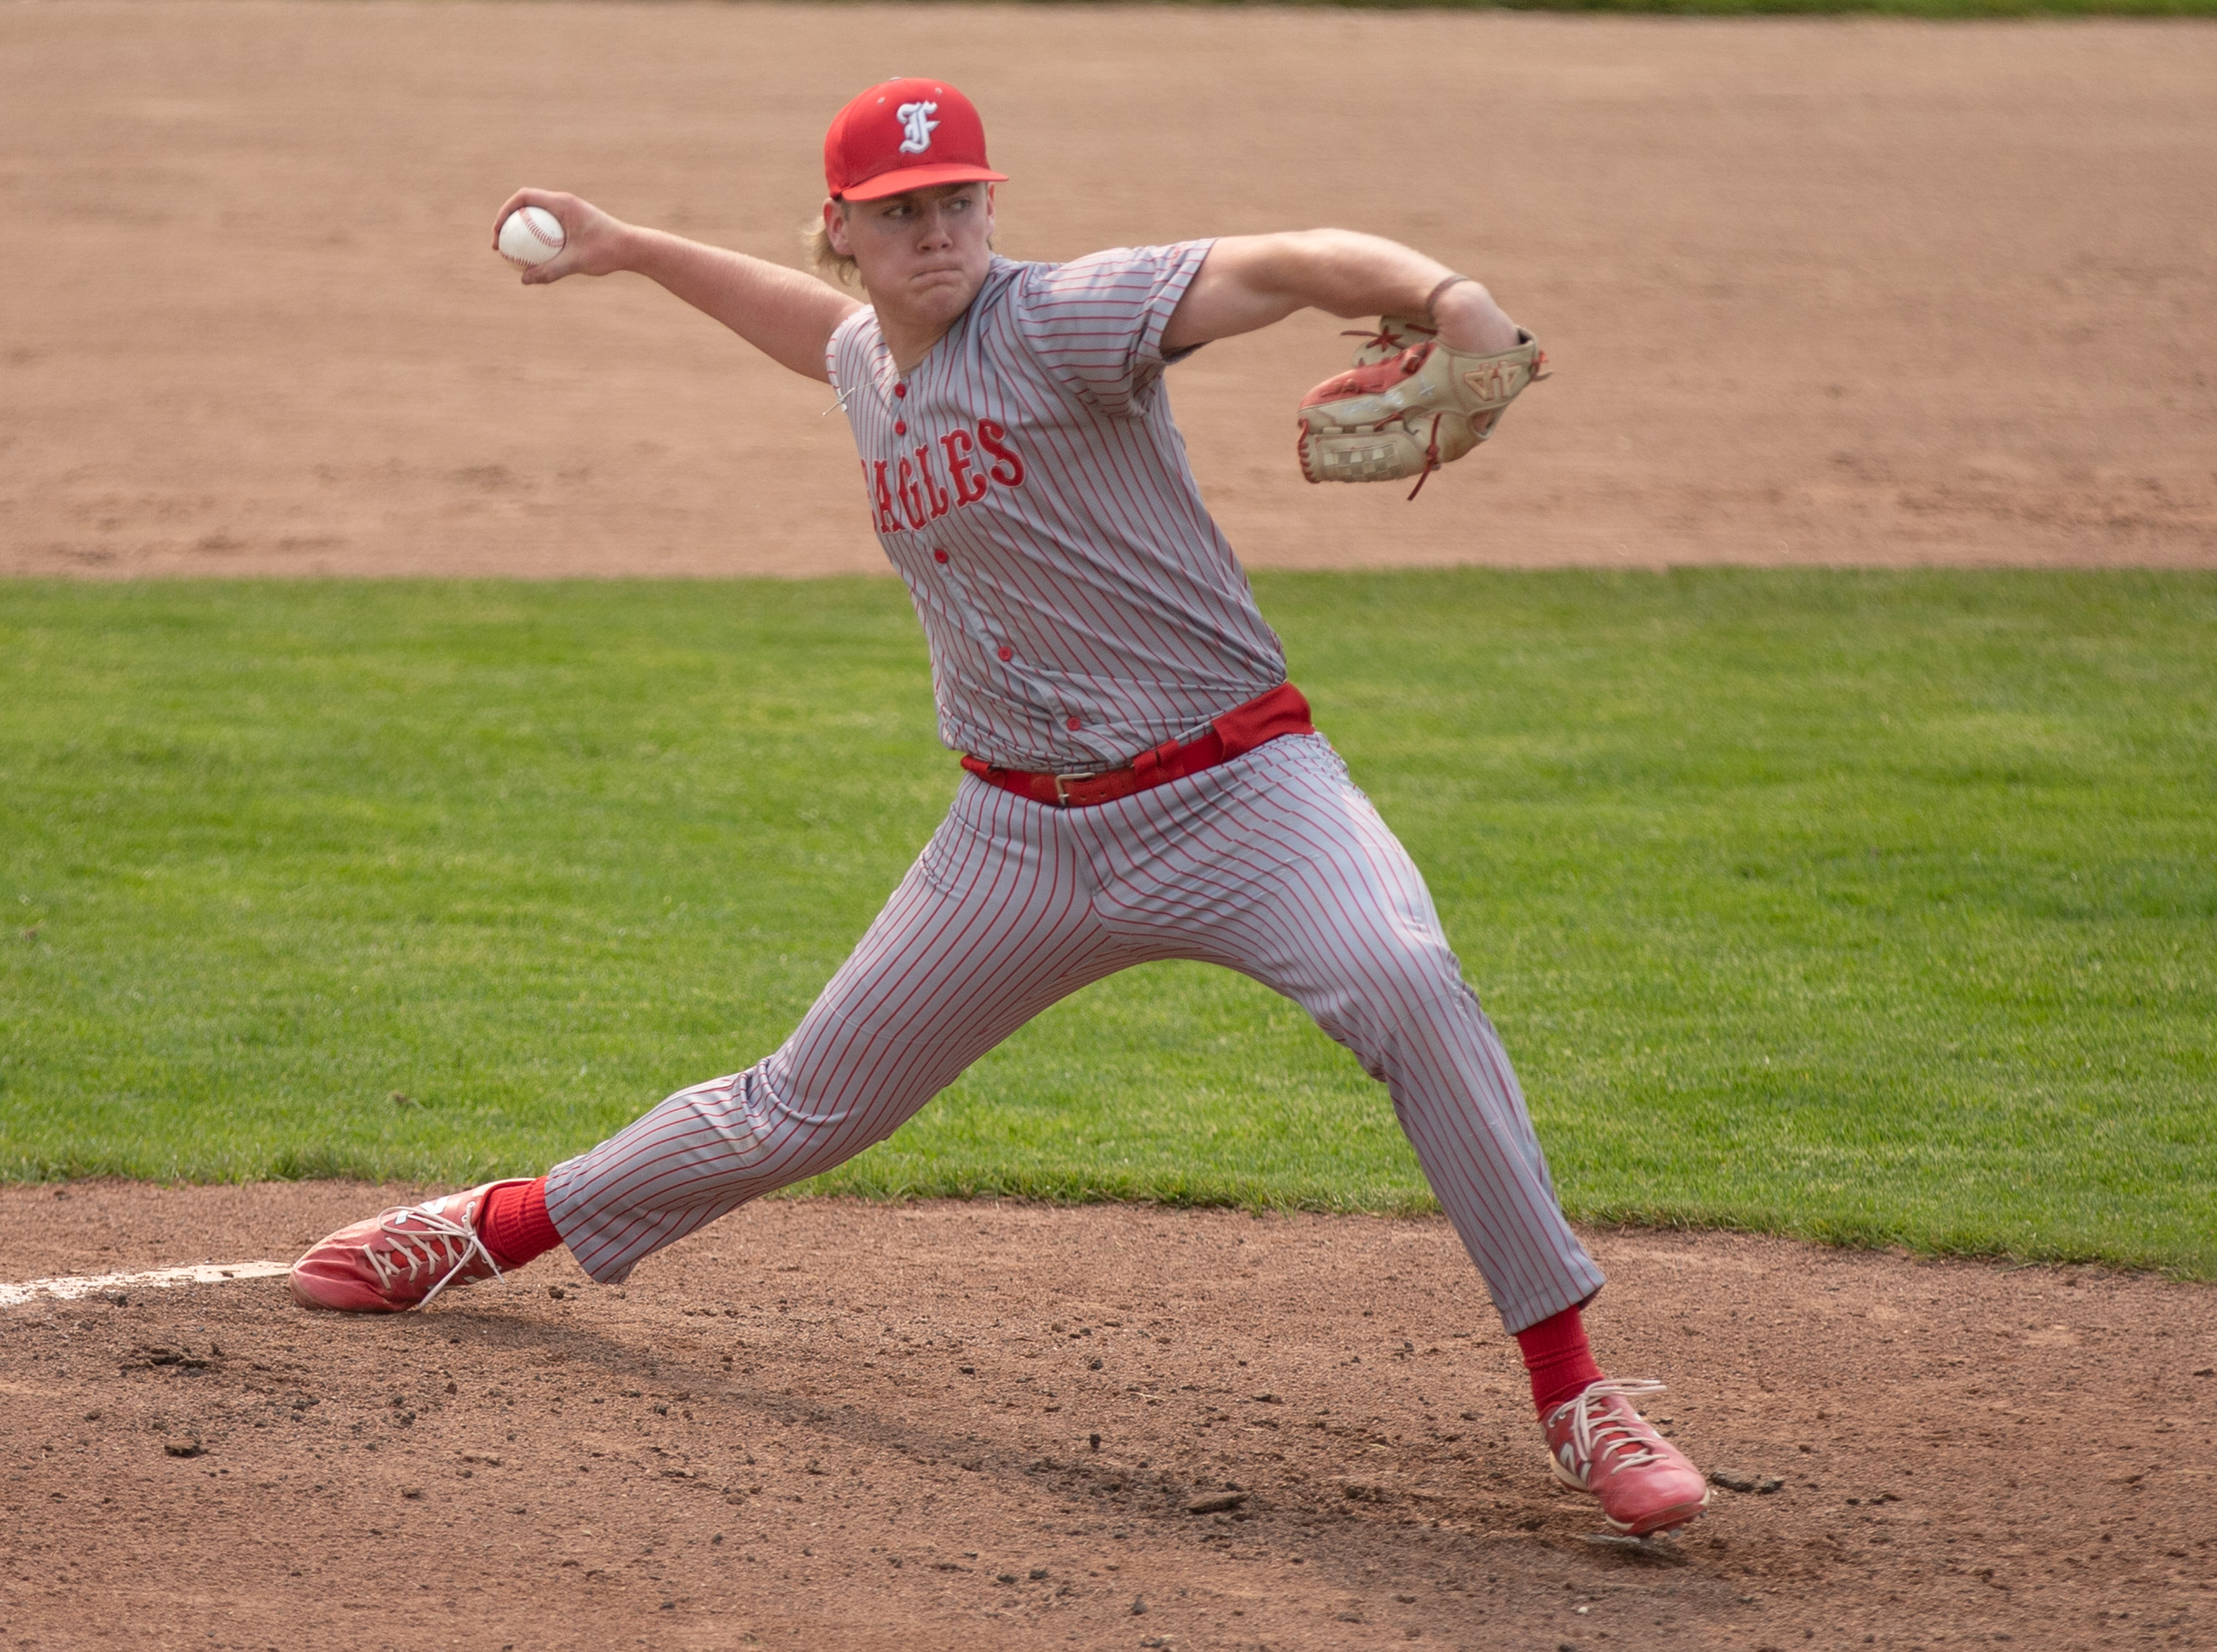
836 1423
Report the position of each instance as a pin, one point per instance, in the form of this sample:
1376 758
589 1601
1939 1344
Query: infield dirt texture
1818 292
1843 291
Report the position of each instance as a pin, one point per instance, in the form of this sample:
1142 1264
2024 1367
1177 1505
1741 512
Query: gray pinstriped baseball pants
1273 864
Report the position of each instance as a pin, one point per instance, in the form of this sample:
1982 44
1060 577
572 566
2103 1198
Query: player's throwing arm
783 313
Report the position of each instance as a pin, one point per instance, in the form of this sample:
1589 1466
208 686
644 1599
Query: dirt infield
829 1424
1838 291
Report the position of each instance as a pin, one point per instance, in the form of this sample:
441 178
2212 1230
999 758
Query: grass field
1876 908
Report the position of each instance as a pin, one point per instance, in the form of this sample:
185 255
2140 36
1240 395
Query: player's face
924 254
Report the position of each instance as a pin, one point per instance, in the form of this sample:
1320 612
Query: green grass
1870 907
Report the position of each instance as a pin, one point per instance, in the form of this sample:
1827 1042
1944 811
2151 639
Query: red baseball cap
903 135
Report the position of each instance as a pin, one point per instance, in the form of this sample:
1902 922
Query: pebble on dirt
1221 1505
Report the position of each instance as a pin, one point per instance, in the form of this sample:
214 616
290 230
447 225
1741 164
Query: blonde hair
829 263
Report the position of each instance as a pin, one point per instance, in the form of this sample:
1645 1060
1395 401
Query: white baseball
530 235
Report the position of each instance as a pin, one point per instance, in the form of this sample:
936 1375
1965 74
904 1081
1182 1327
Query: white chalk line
82 1285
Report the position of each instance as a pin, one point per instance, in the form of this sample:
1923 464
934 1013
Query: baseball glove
1409 405
1395 333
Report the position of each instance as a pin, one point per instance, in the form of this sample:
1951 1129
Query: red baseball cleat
1599 1444
399 1258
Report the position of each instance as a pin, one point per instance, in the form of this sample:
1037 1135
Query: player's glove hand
1408 408
1395 333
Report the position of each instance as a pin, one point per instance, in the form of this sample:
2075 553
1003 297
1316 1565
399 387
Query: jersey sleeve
1096 324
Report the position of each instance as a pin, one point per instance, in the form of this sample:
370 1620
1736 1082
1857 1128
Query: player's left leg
1276 866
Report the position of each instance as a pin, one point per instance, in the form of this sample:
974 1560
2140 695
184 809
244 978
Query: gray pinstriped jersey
1027 482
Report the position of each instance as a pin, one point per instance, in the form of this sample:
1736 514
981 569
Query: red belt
1283 710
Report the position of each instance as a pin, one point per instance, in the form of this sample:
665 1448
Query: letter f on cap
878 143
916 120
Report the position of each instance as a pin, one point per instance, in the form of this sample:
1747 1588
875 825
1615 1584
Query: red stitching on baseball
534 232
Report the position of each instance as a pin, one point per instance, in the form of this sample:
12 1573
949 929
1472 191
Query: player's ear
835 227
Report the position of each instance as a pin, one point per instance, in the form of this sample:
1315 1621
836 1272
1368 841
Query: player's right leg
992 923
1277 866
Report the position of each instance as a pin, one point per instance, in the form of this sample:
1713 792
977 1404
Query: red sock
1556 1354
515 1226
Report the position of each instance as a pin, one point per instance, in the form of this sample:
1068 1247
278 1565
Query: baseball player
1142 781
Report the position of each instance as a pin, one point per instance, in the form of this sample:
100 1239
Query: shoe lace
430 1241
1616 1438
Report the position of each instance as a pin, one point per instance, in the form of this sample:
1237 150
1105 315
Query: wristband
1432 298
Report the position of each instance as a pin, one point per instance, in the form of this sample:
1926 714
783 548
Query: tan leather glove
1405 410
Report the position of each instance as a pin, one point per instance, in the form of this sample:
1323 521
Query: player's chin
948 291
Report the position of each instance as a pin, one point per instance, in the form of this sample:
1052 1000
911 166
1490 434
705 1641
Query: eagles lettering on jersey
1029 483
911 493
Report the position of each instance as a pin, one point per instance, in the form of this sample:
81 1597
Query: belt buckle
1062 787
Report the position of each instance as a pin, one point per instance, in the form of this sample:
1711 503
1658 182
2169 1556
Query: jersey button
1007 652
939 556
900 427
1074 723
900 390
